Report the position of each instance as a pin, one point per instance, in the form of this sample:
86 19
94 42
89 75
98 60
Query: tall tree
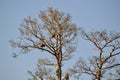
105 61
56 35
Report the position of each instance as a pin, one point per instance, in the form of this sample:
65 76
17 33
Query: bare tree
55 35
43 72
105 62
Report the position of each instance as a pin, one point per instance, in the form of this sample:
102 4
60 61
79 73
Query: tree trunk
58 71
99 73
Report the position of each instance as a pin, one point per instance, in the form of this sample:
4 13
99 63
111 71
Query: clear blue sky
89 14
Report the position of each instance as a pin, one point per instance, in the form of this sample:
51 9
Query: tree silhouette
107 45
56 35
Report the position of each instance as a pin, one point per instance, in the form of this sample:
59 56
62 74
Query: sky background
89 14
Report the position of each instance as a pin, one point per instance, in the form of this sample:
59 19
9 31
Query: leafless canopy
56 35
108 46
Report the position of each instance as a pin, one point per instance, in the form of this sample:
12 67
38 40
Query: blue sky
89 14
